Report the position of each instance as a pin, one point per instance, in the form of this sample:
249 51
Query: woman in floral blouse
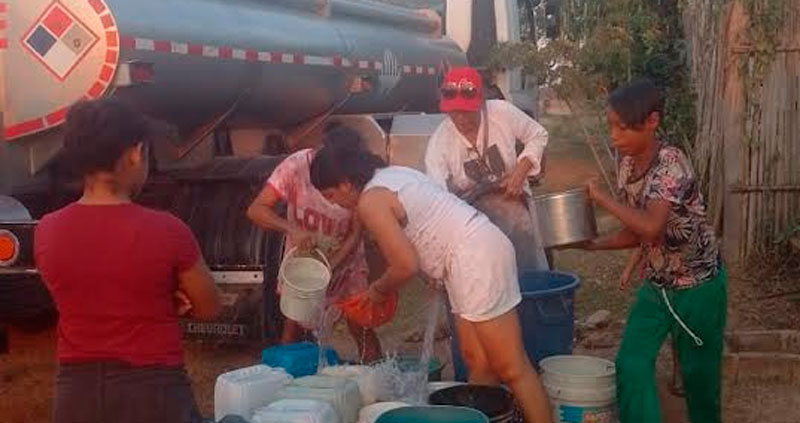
684 293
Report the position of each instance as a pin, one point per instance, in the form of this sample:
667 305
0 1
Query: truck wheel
26 304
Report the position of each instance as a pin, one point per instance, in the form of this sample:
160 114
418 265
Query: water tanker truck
241 82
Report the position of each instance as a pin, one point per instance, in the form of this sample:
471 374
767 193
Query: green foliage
765 23
605 44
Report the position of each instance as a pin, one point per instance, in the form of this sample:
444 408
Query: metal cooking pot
565 217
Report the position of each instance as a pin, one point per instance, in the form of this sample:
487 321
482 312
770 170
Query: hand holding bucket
304 283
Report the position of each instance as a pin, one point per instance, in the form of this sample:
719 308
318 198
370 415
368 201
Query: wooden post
732 114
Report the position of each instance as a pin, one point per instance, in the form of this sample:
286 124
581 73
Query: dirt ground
26 375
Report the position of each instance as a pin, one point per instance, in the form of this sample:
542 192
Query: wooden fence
747 150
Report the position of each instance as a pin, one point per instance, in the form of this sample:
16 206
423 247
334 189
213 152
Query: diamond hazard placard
59 40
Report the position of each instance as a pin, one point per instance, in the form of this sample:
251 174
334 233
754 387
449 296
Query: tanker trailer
242 82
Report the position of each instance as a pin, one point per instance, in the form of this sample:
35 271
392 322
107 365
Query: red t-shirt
112 271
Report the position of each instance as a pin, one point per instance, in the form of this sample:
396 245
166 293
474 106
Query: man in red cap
474 154
474 151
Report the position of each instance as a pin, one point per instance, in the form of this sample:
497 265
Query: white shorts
482 279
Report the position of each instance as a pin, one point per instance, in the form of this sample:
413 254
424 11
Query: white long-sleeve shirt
448 149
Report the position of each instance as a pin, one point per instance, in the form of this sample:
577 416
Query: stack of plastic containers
342 394
375 385
296 411
240 392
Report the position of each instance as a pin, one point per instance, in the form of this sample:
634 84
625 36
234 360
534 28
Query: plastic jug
375 385
342 394
296 411
240 392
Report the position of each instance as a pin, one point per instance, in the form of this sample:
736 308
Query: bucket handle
293 252
554 316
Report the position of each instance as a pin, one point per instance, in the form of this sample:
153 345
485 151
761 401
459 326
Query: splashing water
427 349
322 332
411 385
391 379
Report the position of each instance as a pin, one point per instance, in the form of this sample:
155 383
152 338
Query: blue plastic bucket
433 414
547 314
298 360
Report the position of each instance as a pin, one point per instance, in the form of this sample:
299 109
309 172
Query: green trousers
702 310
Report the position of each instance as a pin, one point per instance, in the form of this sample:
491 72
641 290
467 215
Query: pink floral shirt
308 208
688 253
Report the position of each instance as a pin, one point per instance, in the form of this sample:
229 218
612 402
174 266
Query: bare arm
532 135
648 224
534 138
262 213
377 211
621 240
198 285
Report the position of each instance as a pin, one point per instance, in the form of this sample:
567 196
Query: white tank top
438 221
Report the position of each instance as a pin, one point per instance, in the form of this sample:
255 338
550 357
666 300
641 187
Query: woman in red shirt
120 275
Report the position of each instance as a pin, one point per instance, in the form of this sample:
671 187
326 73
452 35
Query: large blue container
299 359
547 313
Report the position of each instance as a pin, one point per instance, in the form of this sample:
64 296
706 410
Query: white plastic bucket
304 282
582 389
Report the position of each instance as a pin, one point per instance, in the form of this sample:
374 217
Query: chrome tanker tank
216 69
189 61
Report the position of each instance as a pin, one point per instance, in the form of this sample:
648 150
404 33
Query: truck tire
26 304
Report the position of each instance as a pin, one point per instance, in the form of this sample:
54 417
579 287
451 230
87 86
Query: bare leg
369 346
479 370
501 339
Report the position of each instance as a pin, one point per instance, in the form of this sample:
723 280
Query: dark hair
635 102
343 158
97 133
331 126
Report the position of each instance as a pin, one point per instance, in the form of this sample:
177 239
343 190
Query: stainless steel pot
565 217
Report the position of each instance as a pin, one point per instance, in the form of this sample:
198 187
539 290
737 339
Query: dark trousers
105 392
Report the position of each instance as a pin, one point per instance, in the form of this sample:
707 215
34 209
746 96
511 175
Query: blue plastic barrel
547 314
299 359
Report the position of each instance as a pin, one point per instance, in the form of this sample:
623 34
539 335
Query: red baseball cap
460 78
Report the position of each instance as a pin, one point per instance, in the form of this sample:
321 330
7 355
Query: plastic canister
373 384
296 411
240 392
342 394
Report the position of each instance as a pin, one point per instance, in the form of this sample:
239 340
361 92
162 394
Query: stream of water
393 379
411 384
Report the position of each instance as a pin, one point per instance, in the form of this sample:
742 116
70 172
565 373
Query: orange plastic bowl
367 314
